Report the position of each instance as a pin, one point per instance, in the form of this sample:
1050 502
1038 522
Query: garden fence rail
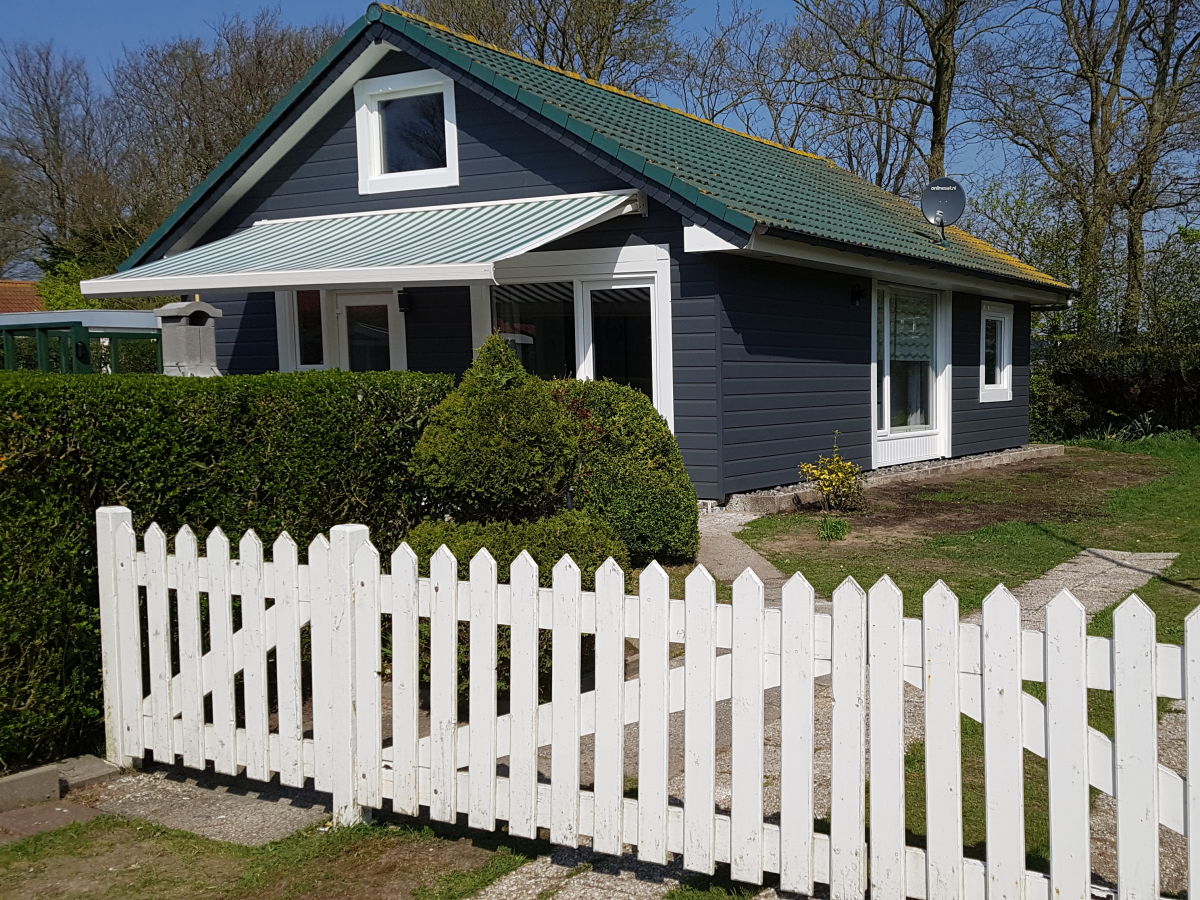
344 670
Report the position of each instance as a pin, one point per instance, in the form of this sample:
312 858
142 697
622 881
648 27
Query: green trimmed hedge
271 452
631 473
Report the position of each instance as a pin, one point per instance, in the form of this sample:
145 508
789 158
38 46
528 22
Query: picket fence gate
166 695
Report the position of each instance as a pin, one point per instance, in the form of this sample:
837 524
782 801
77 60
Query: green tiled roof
743 181
739 179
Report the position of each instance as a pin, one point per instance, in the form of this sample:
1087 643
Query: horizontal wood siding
437 329
982 427
247 339
500 157
795 367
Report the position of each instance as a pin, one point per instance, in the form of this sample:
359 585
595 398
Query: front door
911 415
370 330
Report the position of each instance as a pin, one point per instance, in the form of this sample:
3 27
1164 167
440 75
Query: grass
110 856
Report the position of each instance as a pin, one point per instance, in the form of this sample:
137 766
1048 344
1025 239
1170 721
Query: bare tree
631 44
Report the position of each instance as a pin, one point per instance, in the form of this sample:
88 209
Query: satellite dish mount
943 202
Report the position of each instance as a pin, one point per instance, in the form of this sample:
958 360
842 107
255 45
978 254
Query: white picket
523 699
191 650
700 722
797 647
1067 747
158 639
866 645
323 673
653 704
254 661
1191 644
406 685
116 547
220 630
1004 770
368 678
1136 750
482 700
289 682
943 755
746 708
443 686
847 818
609 767
885 611
344 544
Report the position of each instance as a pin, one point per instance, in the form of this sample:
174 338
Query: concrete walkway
726 557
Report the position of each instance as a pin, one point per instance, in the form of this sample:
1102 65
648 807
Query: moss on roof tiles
748 179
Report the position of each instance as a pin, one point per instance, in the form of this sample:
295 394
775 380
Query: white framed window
407 136
995 352
304 323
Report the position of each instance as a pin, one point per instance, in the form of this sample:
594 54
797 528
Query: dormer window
407 139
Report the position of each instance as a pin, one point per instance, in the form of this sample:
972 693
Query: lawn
128 858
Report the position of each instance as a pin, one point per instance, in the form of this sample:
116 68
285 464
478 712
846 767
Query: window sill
995 395
408 181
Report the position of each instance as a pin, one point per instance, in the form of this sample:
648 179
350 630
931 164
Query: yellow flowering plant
838 480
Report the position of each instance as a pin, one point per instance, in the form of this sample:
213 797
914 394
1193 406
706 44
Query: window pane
367 338
413 132
538 321
308 328
880 368
911 325
621 336
991 351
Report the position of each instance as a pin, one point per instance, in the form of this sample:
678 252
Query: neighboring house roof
750 184
20 296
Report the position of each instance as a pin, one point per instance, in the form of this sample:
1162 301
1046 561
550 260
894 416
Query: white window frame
368 94
287 324
912 446
1002 313
397 336
640 266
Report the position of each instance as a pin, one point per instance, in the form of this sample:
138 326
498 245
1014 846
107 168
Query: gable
500 158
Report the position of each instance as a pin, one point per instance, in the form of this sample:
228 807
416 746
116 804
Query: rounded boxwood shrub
498 448
630 471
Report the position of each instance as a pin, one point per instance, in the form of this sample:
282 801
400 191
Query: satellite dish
943 202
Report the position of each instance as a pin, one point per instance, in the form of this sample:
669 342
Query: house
420 189
19 297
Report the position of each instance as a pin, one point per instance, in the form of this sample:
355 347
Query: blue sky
99 30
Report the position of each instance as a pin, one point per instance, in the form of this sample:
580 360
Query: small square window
406 132
995 353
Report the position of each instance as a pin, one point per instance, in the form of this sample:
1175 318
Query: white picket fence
167 696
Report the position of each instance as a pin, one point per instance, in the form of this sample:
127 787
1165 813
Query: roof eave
1063 293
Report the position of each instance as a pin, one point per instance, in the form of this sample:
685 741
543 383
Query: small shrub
838 480
832 528
630 471
1056 411
498 448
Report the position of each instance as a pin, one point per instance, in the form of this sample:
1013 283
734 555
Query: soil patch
1055 489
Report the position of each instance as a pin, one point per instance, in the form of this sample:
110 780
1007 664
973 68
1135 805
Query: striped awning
410 246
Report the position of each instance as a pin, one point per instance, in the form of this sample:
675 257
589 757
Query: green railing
70 348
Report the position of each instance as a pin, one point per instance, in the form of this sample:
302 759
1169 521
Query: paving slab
21 823
213 806
29 788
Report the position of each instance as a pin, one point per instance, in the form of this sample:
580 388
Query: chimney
189 338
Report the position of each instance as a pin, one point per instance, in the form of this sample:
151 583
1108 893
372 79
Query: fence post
114 525
344 542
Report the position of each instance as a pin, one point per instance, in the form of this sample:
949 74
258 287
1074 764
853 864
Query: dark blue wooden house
419 190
